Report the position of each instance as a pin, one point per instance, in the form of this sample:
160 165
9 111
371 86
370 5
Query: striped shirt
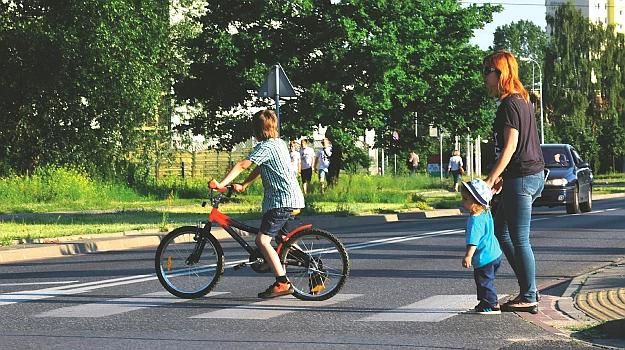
280 182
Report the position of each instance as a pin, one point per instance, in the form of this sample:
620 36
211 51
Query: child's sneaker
486 309
277 289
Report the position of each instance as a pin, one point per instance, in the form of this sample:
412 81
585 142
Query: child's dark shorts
306 175
274 220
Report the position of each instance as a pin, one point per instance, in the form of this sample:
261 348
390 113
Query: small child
282 192
483 251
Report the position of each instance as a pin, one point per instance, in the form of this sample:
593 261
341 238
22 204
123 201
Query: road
407 291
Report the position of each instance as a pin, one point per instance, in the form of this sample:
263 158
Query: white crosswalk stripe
432 309
273 308
117 306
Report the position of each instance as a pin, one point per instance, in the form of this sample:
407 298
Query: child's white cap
480 191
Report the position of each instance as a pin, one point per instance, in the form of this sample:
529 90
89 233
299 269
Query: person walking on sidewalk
483 252
518 173
413 162
282 193
296 160
322 162
455 168
307 156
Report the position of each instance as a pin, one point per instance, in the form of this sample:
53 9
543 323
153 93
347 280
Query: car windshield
556 158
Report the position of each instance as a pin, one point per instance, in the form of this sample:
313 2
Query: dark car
569 181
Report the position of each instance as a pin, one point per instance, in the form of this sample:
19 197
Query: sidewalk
83 244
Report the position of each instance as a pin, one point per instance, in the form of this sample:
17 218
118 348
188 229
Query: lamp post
540 77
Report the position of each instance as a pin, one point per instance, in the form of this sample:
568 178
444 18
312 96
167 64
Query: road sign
268 89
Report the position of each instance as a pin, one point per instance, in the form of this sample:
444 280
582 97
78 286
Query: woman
455 164
517 173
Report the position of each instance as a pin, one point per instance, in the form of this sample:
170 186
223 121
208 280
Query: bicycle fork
200 240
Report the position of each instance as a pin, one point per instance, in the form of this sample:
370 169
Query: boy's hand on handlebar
239 188
213 184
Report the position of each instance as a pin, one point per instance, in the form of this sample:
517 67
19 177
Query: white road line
35 283
432 309
117 306
273 308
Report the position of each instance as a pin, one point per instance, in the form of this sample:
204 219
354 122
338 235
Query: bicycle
189 260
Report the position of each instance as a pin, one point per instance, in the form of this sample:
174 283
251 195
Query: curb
72 245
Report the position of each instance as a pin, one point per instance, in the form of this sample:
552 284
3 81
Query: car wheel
587 207
573 208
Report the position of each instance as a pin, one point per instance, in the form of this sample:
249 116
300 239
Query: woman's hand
495 184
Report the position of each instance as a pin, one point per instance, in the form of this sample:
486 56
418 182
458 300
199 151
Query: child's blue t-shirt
480 232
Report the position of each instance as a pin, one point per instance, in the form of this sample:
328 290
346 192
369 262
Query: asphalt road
404 294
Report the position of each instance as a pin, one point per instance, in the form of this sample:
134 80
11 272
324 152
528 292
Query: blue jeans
512 228
484 277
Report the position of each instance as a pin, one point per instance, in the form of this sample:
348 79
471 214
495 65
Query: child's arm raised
234 172
250 178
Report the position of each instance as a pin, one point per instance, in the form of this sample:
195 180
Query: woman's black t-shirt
528 157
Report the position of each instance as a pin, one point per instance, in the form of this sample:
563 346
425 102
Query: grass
609 183
174 202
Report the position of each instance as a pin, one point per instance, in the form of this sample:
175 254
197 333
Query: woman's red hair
508 67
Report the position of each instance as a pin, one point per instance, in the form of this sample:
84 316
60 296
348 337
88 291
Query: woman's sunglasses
488 70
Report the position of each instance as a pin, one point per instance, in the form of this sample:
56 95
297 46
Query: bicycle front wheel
316 263
188 268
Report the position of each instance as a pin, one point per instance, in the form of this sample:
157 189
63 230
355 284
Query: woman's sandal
532 308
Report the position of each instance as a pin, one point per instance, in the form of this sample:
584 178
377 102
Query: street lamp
540 77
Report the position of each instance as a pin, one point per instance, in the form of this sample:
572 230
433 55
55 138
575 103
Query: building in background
598 11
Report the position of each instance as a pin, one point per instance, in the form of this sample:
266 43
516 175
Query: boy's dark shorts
306 175
274 220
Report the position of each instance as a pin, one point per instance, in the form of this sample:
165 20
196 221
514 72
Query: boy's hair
475 207
265 125
304 141
293 144
456 153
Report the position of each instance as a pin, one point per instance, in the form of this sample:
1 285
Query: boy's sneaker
277 289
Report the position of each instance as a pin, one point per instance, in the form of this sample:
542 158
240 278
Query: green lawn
356 195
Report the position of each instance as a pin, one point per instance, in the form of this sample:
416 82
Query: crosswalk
433 309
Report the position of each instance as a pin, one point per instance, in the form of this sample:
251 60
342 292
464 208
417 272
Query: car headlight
557 182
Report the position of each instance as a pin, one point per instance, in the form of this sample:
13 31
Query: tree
523 39
81 81
354 63
584 85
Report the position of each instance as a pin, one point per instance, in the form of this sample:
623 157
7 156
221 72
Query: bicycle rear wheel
316 263
178 271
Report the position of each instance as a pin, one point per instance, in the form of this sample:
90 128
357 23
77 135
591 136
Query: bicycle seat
296 211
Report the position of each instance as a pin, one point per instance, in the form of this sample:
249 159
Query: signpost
277 85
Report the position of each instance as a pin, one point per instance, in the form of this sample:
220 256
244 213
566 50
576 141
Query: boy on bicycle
483 252
282 192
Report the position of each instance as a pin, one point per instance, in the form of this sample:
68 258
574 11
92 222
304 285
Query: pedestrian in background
413 162
483 252
307 159
322 162
518 173
455 168
296 160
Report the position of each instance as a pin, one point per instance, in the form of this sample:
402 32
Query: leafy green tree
584 86
83 82
523 39
354 63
